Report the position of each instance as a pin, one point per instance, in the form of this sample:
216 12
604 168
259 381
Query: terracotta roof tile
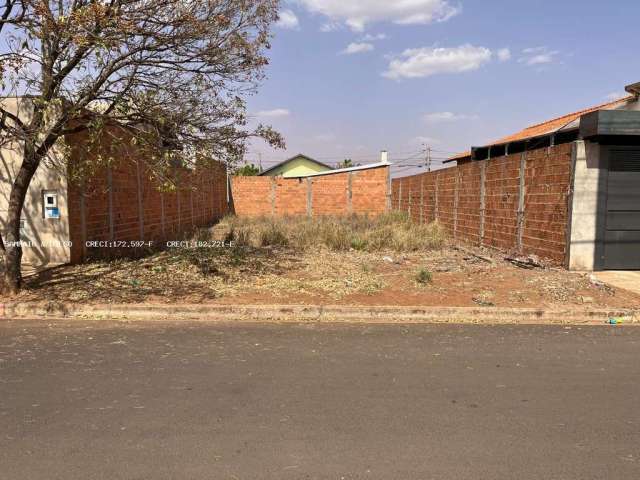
548 126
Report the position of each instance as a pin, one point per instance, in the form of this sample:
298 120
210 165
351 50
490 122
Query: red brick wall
469 202
501 210
252 195
139 210
328 194
547 183
290 197
456 194
369 191
447 181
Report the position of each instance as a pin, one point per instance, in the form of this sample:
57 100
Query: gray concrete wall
46 240
587 207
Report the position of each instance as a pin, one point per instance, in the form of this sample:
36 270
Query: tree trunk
13 248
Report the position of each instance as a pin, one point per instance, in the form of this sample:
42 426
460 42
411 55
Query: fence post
456 202
422 199
110 187
521 198
191 205
83 221
140 201
212 192
400 182
272 196
436 208
350 193
179 209
483 199
162 216
410 196
309 197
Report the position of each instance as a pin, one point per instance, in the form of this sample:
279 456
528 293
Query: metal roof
548 127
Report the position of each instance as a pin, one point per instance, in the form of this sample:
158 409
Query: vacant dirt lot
280 273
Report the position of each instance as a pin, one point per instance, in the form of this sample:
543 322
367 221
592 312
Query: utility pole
260 161
428 159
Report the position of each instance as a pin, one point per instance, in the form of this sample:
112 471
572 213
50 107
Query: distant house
298 166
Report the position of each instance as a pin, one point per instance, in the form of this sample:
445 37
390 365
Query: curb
314 313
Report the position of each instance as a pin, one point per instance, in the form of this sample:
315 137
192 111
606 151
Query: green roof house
298 166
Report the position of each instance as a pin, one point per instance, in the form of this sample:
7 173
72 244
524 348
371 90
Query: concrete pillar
179 209
191 206
436 208
422 199
140 201
456 202
83 222
162 216
309 197
483 199
521 199
350 193
272 196
587 207
111 213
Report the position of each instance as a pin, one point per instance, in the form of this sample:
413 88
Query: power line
394 157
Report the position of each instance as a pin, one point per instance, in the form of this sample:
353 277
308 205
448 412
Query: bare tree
174 71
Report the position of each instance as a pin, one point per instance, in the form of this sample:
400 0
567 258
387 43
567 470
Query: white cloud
276 113
357 14
288 20
442 117
424 62
613 96
354 48
330 27
538 56
372 38
504 54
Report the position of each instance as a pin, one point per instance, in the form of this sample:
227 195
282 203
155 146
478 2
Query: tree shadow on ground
195 275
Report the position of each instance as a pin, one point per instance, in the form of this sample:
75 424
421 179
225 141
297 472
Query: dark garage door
622 235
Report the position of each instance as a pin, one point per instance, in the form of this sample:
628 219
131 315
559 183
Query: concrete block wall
123 203
359 192
517 202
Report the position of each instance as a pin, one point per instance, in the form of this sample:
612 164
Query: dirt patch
282 275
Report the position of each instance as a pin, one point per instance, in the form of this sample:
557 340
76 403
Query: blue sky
351 77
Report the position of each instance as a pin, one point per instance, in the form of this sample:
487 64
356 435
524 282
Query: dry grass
358 260
392 231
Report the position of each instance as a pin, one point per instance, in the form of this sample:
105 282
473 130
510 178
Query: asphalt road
197 401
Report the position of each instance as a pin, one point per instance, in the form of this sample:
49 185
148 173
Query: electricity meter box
50 204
